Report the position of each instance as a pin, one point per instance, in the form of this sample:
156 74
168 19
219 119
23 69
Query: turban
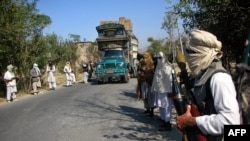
202 50
10 68
35 65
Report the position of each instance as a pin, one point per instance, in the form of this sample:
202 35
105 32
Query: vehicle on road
118 52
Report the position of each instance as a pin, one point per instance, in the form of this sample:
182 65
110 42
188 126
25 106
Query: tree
227 19
21 28
74 37
157 46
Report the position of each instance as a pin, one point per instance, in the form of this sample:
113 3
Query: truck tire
126 78
99 82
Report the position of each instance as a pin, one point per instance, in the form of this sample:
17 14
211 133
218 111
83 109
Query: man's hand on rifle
185 120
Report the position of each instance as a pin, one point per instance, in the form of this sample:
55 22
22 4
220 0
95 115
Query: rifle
192 133
179 102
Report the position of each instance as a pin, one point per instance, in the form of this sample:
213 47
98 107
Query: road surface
83 112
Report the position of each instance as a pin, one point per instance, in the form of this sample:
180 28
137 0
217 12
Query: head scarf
202 50
147 63
50 63
68 63
35 66
161 59
139 56
10 68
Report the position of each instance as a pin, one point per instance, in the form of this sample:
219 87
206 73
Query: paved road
83 112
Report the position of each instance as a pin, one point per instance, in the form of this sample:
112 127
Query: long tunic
67 70
51 73
162 85
8 76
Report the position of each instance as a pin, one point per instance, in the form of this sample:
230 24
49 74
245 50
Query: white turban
10 68
203 48
35 66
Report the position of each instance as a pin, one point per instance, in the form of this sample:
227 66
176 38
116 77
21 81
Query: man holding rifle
213 92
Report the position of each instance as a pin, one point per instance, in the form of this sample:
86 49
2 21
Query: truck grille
110 66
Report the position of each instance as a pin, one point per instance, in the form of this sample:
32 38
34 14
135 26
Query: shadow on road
132 124
150 125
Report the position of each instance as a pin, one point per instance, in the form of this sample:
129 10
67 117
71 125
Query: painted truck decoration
118 54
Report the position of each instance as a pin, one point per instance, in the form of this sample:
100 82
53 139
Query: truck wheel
126 78
99 82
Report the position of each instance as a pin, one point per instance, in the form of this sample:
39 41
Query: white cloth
51 76
166 114
223 92
51 73
8 76
35 66
162 100
162 81
85 77
162 85
67 70
11 88
73 77
201 51
165 105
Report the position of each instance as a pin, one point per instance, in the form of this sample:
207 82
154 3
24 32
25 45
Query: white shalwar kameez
51 70
85 73
67 70
10 86
162 87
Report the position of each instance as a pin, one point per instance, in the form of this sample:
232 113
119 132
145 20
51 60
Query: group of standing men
10 79
155 88
87 69
213 90
36 75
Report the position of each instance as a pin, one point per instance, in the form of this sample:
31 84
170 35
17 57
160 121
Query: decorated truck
116 48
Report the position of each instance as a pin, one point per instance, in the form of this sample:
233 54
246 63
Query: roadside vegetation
23 43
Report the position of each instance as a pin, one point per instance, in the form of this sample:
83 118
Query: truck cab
113 45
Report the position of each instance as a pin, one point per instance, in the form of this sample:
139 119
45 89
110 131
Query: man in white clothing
51 72
213 90
10 80
162 88
85 72
67 70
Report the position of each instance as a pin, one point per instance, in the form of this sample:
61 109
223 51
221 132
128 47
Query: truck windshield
113 53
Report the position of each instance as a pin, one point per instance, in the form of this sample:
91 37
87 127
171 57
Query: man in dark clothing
138 88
